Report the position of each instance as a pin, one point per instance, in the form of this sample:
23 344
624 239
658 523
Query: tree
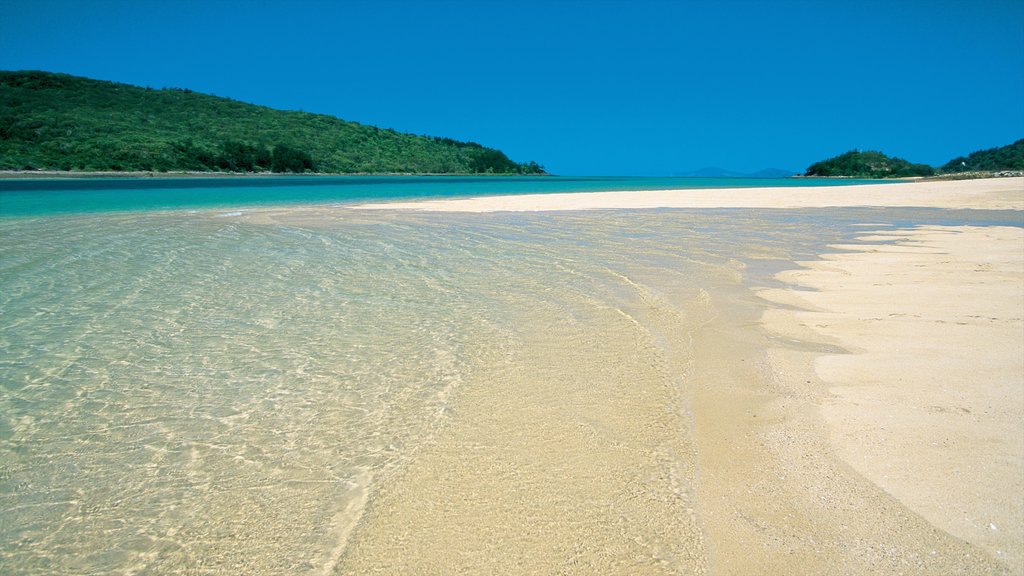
288 159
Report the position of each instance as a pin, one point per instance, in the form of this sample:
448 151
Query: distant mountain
715 172
870 164
709 172
1009 157
61 122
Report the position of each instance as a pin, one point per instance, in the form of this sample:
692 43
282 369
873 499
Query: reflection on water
224 392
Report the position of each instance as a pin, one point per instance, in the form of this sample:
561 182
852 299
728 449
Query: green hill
857 164
1009 157
61 122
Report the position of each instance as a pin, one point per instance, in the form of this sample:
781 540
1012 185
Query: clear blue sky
628 88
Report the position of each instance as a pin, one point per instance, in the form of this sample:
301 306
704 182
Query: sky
583 87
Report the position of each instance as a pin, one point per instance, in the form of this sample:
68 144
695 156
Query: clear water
224 392
20 197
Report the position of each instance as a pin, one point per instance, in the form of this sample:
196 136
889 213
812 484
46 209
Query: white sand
929 404
987 194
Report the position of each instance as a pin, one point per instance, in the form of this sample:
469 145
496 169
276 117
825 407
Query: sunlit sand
870 419
744 382
990 194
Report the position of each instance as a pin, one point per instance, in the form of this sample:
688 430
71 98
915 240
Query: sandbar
926 400
864 416
982 194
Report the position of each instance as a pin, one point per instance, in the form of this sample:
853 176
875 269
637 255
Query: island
1002 161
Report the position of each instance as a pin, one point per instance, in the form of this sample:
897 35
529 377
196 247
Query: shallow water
227 392
36 197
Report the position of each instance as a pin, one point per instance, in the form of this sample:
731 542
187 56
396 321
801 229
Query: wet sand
570 459
864 415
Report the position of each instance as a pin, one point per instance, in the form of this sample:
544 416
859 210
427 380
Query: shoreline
147 175
983 194
926 402
717 440
818 444
600 392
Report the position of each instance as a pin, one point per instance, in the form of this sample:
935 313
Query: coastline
927 401
985 194
831 436
723 436
145 175
647 392
872 422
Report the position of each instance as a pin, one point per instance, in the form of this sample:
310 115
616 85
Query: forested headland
1009 157
873 164
54 121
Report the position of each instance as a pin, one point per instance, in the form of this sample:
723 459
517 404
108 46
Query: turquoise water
26 197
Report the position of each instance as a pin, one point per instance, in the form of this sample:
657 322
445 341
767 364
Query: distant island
873 164
52 121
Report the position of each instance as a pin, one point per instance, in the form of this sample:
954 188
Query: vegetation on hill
61 122
857 164
1009 157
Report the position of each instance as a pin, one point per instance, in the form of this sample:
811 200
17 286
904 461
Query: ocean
27 197
225 377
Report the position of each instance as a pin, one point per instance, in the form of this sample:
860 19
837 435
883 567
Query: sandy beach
988 194
760 381
865 416
473 288
927 402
